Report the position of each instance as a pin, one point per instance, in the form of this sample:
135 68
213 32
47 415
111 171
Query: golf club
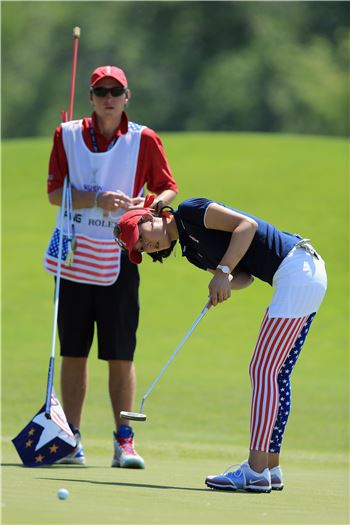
66 203
140 416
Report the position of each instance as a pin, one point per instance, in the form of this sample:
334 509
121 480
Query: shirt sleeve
153 169
194 210
58 165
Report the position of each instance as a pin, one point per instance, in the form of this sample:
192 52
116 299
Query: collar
121 130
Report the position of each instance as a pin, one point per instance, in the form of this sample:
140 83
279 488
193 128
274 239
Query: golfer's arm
243 229
81 199
239 280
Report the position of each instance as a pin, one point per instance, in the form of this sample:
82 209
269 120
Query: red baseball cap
127 232
108 72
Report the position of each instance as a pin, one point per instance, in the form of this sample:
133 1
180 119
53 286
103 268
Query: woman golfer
235 247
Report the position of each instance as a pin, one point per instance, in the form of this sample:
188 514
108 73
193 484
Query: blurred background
225 66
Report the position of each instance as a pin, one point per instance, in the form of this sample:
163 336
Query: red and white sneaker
125 456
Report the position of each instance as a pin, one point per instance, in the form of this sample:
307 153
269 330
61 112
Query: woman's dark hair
161 211
162 254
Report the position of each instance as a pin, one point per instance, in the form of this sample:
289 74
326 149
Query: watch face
224 269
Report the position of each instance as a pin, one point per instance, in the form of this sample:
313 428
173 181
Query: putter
140 416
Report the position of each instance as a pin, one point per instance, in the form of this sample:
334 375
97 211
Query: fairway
198 415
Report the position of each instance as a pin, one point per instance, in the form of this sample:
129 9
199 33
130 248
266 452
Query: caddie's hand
219 288
111 201
137 202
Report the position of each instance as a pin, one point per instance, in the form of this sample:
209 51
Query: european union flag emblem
44 441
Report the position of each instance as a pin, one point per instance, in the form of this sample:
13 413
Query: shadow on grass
115 483
41 467
138 485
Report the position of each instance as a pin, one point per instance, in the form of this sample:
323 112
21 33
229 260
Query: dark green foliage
237 66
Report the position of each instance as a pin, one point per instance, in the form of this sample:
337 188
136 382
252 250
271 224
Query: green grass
198 414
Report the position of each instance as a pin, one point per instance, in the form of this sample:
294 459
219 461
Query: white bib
112 170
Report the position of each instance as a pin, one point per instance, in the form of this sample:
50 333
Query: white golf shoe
243 478
276 478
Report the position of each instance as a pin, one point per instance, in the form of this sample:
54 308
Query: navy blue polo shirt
205 248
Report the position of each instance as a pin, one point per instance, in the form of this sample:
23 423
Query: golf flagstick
140 416
66 203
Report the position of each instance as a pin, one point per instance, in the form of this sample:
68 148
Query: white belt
306 245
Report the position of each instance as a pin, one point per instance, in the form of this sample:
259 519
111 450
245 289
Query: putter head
134 416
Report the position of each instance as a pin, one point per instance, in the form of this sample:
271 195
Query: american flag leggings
278 347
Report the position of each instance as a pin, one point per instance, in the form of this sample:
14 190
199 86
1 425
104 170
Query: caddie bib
97 256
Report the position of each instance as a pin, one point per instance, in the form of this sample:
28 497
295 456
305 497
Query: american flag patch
54 245
95 261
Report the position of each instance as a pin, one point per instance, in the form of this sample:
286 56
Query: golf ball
62 494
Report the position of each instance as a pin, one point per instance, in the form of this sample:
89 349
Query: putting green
171 490
198 414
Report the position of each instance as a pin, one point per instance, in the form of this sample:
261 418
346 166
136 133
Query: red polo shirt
152 166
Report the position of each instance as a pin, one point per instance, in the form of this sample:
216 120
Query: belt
307 246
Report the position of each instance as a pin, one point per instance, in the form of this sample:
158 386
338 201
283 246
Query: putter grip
76 32
49 387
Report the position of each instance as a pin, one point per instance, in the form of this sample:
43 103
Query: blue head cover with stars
44 441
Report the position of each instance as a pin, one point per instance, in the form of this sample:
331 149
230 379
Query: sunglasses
101 92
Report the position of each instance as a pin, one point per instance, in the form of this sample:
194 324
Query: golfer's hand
219 288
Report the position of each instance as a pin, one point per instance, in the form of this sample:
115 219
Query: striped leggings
278 347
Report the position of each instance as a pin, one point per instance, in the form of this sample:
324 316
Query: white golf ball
62 494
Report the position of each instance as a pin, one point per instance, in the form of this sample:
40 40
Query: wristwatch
225 269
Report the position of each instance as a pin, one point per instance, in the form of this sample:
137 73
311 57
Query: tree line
191 65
